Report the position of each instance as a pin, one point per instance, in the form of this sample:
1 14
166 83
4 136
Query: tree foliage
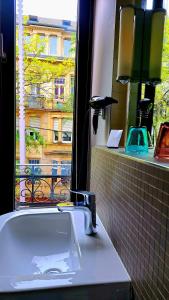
161 108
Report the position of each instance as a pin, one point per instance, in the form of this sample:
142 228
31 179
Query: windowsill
148 159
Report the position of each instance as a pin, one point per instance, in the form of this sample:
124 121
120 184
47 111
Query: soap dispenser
138 141
162 146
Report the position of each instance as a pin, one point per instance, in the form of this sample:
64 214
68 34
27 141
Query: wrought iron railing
42 184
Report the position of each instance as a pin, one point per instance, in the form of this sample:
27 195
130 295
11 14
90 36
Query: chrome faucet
88 207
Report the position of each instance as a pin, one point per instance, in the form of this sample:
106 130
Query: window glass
161 105
66 167
53 45
34 169
55 128
44 34
59 88
41 44
66 130
67 47
54 167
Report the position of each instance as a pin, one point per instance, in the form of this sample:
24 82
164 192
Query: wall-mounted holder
140 45
99 104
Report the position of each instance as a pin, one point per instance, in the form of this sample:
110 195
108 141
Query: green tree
161 107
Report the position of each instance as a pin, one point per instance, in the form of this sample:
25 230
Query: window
35 89
161 104
41 44
55 167
53 45
66 131
34 127
34 161
66 167
35 123
59 88
34 169
67 47
55 128
46 95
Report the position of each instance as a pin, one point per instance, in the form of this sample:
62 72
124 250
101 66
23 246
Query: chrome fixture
88 207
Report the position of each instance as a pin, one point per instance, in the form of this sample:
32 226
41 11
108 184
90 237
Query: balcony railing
42 184
41 102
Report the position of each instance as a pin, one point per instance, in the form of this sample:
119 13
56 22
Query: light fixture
140 45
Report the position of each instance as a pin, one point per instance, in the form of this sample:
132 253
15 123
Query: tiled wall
133 204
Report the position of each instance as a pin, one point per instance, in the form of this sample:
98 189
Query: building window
59 88
53 45
34 128
41 44
55 128
34 161
35 123
67 47
34 169
55 167
66 167
35 89
66 131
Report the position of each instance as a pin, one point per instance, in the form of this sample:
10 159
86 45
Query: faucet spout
88 207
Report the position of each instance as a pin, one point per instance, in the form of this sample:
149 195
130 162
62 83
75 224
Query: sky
57 9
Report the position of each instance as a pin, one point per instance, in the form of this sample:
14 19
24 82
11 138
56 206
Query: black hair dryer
99 104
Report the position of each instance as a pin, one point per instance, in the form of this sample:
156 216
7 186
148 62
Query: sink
43 249
39 244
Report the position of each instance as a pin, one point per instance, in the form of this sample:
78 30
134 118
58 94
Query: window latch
2 53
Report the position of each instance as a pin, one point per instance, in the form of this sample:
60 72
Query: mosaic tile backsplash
133 204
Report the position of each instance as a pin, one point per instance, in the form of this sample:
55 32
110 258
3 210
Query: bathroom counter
99 262
146 159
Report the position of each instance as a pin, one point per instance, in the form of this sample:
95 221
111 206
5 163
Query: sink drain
53 271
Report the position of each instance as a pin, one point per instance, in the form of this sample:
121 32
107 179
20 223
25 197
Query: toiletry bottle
137 141
162 145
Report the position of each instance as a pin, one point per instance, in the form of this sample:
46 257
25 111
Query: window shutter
35 123
67 125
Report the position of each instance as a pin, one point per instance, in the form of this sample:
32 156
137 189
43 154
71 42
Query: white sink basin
37 244
43 248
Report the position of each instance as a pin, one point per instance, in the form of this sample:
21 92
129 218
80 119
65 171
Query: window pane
66 168
59 88
161 105
47 95
41 44
53 45
66 137
67 46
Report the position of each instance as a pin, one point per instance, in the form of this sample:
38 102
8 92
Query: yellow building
45 115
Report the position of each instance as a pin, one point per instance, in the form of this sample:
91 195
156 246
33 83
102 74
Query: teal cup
137 141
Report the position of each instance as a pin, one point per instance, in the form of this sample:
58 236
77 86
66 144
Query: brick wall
133 204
